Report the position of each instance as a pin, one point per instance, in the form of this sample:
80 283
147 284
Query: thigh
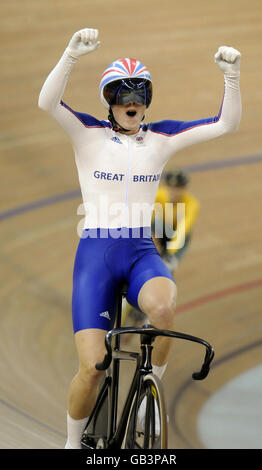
94 289
149 267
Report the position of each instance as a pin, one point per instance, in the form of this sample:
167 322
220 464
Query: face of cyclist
129 116
176 193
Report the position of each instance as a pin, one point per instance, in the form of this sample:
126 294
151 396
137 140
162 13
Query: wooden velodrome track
219 281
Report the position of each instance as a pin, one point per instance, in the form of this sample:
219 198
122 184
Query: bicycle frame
116 432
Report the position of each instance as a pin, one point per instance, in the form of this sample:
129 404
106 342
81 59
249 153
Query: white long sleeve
185 133
54 86
52 93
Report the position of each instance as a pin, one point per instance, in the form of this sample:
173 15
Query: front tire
147 430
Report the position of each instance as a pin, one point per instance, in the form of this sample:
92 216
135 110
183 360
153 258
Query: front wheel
147 421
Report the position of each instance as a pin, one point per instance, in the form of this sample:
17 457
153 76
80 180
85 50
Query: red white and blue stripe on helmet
121 69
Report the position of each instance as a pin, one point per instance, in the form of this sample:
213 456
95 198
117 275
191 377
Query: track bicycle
131 431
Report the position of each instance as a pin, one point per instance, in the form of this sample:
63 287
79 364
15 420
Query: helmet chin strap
115 126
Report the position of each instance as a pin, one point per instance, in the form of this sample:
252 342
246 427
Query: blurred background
220 279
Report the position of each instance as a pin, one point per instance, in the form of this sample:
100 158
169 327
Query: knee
89 374
161 314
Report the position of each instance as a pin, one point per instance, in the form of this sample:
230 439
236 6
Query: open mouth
131 113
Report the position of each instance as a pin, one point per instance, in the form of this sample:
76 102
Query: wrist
71 55
232 81
233 75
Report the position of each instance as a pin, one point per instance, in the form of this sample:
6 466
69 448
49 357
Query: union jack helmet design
123 69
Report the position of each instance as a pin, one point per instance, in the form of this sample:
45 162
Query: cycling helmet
176 178
124 81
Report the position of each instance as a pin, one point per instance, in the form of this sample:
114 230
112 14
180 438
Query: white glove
228 60
83 42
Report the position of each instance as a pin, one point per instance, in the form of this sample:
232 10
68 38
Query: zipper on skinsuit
126 215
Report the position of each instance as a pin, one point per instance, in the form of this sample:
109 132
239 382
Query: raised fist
228 60
83 42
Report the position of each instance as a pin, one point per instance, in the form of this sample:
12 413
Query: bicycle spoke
147 420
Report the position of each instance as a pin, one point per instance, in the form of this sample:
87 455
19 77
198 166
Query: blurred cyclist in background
174 191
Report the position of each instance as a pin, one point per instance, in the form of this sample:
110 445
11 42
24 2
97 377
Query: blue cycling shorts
103 261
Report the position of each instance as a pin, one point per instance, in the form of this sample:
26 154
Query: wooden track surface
219 281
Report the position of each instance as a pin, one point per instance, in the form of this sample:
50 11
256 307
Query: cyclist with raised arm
119 163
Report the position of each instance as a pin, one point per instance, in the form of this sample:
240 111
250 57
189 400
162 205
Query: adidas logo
116 139
105 315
